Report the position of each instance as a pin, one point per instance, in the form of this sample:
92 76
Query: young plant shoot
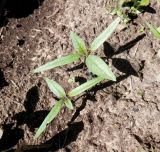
81 51
64 99
94 63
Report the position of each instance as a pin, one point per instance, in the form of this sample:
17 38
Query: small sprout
142 28
71 80
154 30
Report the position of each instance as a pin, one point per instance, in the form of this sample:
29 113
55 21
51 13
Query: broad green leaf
55 88
144 2
57 62
85 86
97 66
105 34
68 103
154 30
52 114
78 44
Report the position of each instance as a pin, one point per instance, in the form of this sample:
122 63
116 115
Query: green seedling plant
64 99
94 63
132 7
154 30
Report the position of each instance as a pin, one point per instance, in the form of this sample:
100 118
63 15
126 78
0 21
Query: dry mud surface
113 117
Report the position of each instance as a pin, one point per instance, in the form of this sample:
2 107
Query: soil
122 116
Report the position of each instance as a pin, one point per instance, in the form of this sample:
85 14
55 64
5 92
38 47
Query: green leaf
52 114
144 2
68 103
154 30
105 35
97 66
85 86
158 29
78 44
57 62
55 88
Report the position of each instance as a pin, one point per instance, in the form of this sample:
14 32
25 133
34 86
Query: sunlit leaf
158 29
55 88
85 86
144 2
68 103
97 66
78 44
52 114
57 62
105 35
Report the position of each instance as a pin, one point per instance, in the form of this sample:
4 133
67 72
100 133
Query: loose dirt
112 117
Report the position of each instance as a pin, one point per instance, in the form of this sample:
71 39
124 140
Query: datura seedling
94 63
64 99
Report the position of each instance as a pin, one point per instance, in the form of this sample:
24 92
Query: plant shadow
124 66
11 136
142 9
77 67
30 115
3 82
109 51
17 9
149 9
59 141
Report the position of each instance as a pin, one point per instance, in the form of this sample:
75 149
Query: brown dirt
113 117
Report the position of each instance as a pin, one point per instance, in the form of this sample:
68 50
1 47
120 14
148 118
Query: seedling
154 30
127 8
94 63
64 99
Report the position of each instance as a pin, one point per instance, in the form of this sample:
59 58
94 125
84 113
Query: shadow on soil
109 51
30 115
33 119
11 136
3 82
59 141
122 65
142 9
17 9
